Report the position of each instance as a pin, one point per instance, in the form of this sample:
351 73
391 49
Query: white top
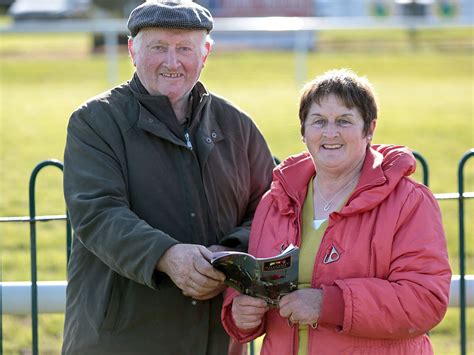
318 222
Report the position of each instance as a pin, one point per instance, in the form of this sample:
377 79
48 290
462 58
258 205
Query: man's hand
215 248
188 267
248 311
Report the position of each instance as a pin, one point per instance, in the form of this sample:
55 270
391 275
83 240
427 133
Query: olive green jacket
133 189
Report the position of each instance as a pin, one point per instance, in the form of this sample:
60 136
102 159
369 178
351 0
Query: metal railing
462 281
59 287
34 274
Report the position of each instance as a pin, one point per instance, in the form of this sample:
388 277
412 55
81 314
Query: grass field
425 95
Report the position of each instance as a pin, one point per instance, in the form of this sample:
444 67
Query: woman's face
334 135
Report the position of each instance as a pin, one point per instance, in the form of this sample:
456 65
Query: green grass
425 96
445 39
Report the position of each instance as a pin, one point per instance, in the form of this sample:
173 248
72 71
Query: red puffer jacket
391 269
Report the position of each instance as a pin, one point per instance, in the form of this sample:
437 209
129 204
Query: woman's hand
302 306
248 311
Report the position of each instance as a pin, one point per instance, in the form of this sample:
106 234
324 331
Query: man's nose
172 60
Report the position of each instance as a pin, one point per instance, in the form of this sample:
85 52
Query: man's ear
130 50
208 47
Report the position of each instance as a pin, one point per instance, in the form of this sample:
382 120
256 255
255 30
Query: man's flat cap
181 14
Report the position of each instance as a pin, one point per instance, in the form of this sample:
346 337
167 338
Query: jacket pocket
112 310
419 346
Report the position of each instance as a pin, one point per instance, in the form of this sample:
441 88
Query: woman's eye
344 122
319 123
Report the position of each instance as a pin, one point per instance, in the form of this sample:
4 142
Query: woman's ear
370 132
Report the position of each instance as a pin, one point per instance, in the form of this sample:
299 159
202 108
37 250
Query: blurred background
23 9
56 54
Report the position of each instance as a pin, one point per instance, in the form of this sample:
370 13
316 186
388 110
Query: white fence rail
242 24
16 296
300 28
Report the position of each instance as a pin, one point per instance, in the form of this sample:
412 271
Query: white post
111 51
16 296
302 39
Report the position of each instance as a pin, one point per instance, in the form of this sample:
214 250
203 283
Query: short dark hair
352 90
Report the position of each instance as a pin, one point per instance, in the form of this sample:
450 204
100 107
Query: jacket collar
384 166
157 117
290 183
156 113
160 105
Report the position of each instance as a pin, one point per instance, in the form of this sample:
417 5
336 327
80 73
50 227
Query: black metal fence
33 218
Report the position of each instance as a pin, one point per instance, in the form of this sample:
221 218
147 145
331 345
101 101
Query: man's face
169 61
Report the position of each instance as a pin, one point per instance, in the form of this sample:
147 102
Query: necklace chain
328 203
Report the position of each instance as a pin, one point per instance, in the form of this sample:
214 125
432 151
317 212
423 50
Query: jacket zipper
188 139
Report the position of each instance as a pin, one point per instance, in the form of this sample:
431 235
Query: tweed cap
181 14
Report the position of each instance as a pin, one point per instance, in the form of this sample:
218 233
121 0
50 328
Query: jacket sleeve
96 193
228 321
230 294
414 296
261 164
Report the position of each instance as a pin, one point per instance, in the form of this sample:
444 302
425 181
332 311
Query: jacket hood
384 167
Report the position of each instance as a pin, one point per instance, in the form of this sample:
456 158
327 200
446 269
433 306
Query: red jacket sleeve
230 294
414 297
228 321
